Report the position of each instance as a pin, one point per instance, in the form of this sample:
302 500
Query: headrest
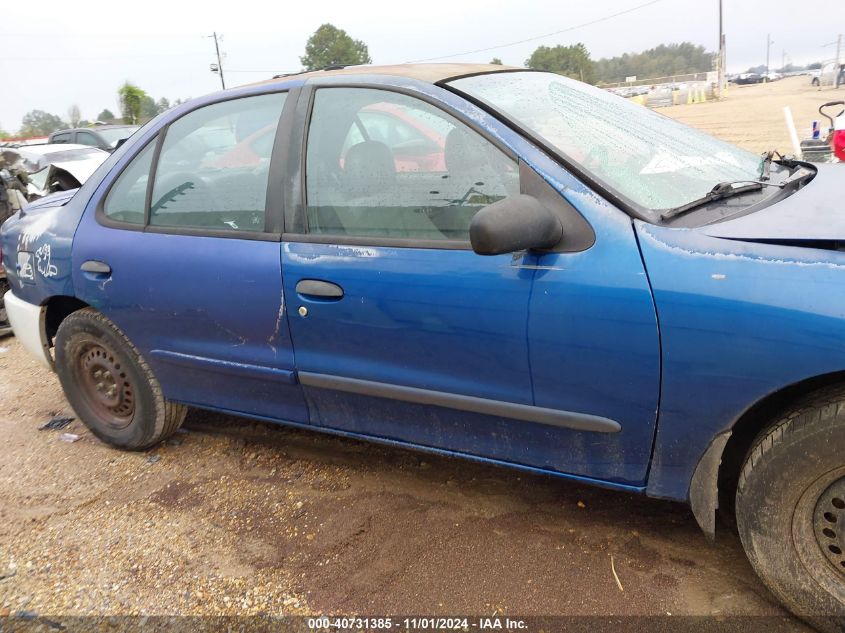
368 169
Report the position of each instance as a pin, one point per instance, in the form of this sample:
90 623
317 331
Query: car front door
391 312
181 251
401 331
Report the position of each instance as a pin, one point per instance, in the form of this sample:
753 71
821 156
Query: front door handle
98 268
320 289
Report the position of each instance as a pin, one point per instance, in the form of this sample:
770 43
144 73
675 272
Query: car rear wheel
110 386
790 508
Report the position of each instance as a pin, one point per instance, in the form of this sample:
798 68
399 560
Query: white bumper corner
27 321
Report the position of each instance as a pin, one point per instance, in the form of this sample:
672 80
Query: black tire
816 82
5 328
110 386
790 508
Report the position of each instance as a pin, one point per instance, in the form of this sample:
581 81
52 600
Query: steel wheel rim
829 524
105 385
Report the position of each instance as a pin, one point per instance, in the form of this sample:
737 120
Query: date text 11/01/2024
416 623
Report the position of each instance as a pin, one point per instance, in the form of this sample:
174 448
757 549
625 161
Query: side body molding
539 415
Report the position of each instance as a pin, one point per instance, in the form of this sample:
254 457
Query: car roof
429 73
95 128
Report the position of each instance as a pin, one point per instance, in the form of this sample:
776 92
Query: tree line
661 61
331 46
135 107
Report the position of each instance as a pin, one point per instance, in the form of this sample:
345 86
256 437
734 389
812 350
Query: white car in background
826 76
30 172
58 166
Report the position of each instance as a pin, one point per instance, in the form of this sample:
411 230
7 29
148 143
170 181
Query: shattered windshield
649 159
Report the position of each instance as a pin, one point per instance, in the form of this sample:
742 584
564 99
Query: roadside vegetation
332 46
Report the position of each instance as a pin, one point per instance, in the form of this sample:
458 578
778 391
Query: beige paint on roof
431 73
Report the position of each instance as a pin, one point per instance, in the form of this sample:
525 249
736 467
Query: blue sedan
500 264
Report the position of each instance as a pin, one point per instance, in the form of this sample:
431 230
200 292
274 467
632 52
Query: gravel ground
233 517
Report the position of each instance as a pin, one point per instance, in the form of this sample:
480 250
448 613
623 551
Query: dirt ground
233 517
752 116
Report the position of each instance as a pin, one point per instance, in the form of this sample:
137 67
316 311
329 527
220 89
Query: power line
540 37
96 59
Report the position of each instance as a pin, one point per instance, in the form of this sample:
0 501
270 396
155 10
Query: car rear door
181 250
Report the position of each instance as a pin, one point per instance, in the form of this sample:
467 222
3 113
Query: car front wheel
790 507
110 386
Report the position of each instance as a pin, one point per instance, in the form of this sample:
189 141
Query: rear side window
214 166
127 197
387 165
61 138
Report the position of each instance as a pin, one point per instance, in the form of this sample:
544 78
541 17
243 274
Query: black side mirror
516 223
120 142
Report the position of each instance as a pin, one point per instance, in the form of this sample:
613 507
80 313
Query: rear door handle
95 267
318 288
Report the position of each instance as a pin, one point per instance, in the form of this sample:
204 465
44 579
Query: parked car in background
568 284
106 137
826 76
748 78
57 167
34 171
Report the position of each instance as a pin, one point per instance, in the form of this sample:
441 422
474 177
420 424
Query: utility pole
219 62
768 49
721 78
837 69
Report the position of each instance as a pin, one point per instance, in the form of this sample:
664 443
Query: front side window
86 138
61 138
382 164
214 166
650 159
115 134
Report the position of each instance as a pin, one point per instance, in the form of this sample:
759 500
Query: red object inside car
839 144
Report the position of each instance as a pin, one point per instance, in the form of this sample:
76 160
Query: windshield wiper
766 168
719 192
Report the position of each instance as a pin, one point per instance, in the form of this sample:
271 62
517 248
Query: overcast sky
79 52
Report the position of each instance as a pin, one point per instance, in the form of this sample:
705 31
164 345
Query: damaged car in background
495 263
57 167
28 173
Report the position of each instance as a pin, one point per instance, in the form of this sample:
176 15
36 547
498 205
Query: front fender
739 321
